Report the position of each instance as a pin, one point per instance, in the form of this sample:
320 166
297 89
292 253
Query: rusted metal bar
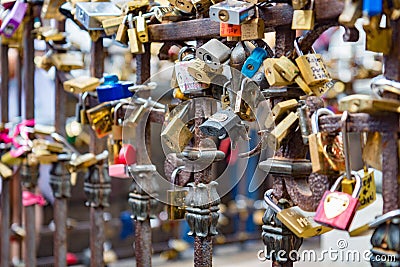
5 193
143 246
96 146
29 93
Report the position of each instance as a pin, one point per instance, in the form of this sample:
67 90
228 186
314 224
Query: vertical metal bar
96 146
390 156
5 194
18 76
29 94
143 248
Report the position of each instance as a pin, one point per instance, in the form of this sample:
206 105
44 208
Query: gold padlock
67 61
141 28
5 171
111 25
281 130
200 71
122 32
378 39
368 190
311 67
50 10
351 12
303 19
372 151
252 29
176 135
81 84
185 6
100 118
279 110
135 45
176 199
272 75
286 68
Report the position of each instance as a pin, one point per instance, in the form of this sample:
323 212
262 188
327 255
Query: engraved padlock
294 219
303 19
176 198
254 61
213 53
100 119
252 29
229 30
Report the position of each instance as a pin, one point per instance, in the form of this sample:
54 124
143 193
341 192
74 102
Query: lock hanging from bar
176 198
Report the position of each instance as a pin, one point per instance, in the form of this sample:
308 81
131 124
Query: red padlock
337 209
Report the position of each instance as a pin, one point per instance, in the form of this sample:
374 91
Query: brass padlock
252 29
100 119
47 145
176 198
67 61
311 67
201 6
378 39
368 190
279 110
303 19
200 71
286 68
141 28
50 10
176 135
185 6
351 12
368 104
115 141
135 45
372 151
5 171
276 136
122 32
81 84
272 75
111 25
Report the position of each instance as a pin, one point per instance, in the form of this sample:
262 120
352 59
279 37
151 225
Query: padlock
224 123
225 102
245 101
201 6
252 30
176 198
368 189
304 121
135 6
286 68
311 67
254 61
200 71
135 45
276 136
372 151
303 19
67 61
213 53
381 220
115 140
50 10
279 111
326 150
100 119
116 91
176 135
337 209
229 30
52 147
299 4
13 19
141 28
232 12
5 171
122 32
272 75
81 84
368 104
294 219
111 25
378 39
238 56
80 109
185 6
351 12
88 14
372 8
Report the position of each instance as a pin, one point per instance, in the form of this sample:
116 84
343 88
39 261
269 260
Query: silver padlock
213 53
232 12
88 12
225 122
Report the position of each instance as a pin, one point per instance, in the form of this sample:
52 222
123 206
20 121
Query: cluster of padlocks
220 87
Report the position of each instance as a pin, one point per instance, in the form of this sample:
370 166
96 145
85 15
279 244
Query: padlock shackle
183 50
385 217
315 118
175 173
357 187
346 146
270 202
116 109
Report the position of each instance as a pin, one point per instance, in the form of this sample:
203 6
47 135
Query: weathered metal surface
284 40
29 66
361 122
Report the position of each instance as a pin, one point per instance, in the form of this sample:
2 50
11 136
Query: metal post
143 248
29 93
5 194
96 146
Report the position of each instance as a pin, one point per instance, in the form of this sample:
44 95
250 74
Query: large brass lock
303 19
312 68
100 118
176 199
378 39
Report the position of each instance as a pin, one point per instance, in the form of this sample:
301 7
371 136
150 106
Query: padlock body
312 69
299 224
336 210
229 30
368 190
303 20
176 204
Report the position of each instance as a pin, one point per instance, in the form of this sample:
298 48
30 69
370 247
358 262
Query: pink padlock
30 199
127 155
118 171
13 19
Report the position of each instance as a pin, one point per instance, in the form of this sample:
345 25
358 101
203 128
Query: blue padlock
254 61
372 7
110 79
113 91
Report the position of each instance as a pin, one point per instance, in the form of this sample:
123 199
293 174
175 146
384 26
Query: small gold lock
372 151
378 39
272 75
111 25
281 130
122 34
135 45
299 4
176 199
303 19
279 110
81 84
286 68
141 28
100 118
5 171
67 61
252 30
368 191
